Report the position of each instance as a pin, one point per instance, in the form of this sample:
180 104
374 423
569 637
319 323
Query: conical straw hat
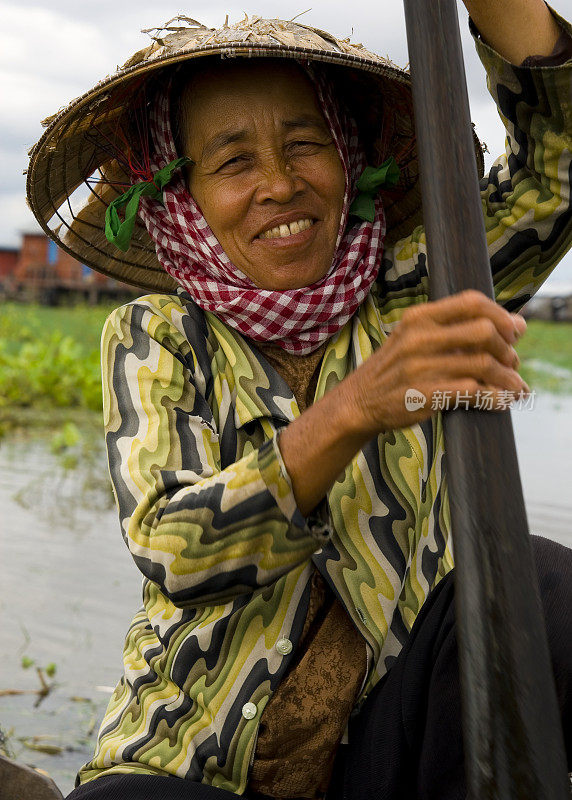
75 171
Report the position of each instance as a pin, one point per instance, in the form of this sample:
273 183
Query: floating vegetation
52 371
43 673
546 355
49 360
41 745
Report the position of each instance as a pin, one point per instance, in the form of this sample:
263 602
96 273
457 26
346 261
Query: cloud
15 219
47 45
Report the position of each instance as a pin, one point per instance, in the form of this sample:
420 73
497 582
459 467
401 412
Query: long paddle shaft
512 733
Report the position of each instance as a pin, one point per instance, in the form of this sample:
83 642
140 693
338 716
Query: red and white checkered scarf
298 320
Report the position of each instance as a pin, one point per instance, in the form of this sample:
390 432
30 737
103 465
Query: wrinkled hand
463 343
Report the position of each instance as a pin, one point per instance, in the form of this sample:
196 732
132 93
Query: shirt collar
260 392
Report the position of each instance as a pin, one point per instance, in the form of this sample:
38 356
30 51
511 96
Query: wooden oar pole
512 733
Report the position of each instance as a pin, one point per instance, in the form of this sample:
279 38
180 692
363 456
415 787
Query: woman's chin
281 277
283 264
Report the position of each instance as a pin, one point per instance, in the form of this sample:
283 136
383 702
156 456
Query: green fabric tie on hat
119 233
369 183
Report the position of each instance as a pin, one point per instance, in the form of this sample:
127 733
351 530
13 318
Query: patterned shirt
192 415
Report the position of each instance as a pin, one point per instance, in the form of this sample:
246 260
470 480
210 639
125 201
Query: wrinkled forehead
220 86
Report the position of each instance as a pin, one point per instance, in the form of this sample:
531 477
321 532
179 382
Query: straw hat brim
77 146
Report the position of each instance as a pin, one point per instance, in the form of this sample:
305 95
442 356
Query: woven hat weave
75 172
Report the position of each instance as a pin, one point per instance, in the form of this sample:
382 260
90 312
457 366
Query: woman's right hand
461 344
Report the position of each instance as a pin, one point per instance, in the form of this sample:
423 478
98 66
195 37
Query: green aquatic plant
546 355
43 673
50 669
49 359
48 372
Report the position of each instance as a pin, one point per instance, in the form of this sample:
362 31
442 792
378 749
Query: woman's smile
287 230
266 174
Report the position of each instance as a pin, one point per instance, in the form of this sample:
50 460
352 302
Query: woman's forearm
516 29
318 446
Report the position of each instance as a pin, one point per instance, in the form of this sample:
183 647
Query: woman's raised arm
516 29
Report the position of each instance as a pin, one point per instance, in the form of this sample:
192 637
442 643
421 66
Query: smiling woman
265 173
288 511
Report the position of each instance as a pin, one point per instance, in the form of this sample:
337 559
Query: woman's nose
278 181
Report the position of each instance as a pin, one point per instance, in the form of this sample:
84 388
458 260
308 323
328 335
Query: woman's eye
304 144
235 161
304 147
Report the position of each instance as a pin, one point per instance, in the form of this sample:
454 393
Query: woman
287 511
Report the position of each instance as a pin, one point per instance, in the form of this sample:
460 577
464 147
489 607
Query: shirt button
284 646
249 711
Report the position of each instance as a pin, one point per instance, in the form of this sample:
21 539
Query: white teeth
281 231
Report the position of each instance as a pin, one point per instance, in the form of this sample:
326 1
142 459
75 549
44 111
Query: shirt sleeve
526 195
560 55
203 534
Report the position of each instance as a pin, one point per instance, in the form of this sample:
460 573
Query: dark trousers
406 743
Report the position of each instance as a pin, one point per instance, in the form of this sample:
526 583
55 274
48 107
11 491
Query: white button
284 646
249 711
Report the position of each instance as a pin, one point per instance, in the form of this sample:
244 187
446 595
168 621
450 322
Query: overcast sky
53 52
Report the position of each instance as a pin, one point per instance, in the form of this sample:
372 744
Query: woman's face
266 173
